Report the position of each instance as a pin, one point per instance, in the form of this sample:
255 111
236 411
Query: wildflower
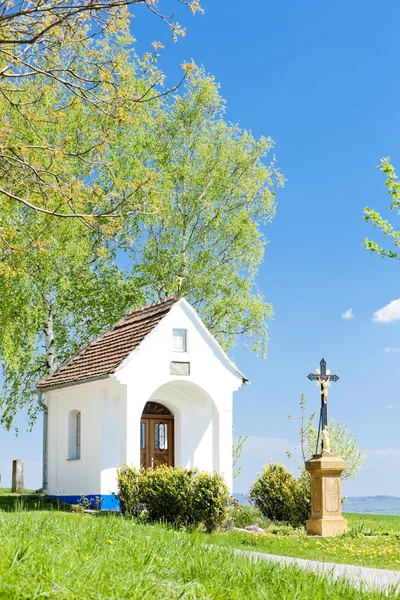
78 549
86 558
255 528
52 537
110 542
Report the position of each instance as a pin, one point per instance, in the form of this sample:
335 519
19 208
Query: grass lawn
375 523
372 540
62 555
11 502
7 491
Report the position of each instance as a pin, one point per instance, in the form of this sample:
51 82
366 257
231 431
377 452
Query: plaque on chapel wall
180 368
332 494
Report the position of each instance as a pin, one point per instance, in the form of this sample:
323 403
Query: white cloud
348 314
389 313
392 349
389 406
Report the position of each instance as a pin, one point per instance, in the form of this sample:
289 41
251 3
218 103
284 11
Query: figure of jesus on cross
323 378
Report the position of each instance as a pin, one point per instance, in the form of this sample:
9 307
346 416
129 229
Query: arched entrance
156 436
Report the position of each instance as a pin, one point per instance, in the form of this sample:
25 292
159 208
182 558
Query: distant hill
383 505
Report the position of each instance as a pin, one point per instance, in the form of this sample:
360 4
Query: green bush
280 496
128 491
303 497
179 496
249 515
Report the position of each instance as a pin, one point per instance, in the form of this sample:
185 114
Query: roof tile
105 353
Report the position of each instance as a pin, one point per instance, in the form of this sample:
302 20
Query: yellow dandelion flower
110 542
78 549
52 537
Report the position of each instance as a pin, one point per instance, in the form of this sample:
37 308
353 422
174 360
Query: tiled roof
107 351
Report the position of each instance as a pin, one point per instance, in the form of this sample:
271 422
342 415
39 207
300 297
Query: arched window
74 435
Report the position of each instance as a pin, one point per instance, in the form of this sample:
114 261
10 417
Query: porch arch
196 423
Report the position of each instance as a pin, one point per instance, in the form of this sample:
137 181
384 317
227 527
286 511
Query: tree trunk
51 358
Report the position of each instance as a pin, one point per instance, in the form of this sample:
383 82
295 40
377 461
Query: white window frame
175 333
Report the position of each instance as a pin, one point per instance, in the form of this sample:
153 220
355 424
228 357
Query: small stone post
17 486
326 495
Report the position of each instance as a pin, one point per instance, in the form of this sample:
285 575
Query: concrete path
363 577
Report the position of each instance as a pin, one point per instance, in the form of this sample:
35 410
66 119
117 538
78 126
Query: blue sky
321 79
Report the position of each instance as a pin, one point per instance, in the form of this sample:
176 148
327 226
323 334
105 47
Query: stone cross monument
325 470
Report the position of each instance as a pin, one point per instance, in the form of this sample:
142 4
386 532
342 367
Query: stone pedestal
17 485
326 495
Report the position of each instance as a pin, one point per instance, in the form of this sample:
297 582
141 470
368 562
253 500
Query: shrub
280 496
210 500
179 496
128 491
164 492
244 516
303 497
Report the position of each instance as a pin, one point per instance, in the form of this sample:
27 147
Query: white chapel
156 388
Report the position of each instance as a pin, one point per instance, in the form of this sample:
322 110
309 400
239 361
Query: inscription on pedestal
332 494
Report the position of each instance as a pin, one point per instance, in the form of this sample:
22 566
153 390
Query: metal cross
323 378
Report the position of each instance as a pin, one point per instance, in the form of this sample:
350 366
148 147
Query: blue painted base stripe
101 501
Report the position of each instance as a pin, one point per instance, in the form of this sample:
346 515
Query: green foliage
280 496
55 151
343 443
61 293
128 491
218 190
185 497
383 225
303 498
195 191
237 450
249 515
59 282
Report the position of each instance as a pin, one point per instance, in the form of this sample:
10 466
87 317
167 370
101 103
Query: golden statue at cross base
326 446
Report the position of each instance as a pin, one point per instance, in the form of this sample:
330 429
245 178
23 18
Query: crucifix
323 378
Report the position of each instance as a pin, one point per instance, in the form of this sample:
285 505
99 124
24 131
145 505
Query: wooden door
156 441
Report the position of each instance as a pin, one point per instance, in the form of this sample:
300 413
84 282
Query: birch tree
56 152
81 49
205 190
218 185
54 298
59 283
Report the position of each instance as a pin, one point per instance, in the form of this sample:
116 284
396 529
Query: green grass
249 515
65 556
374 523
7 491
29 501
372 540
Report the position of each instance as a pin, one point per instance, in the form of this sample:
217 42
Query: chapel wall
74 477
